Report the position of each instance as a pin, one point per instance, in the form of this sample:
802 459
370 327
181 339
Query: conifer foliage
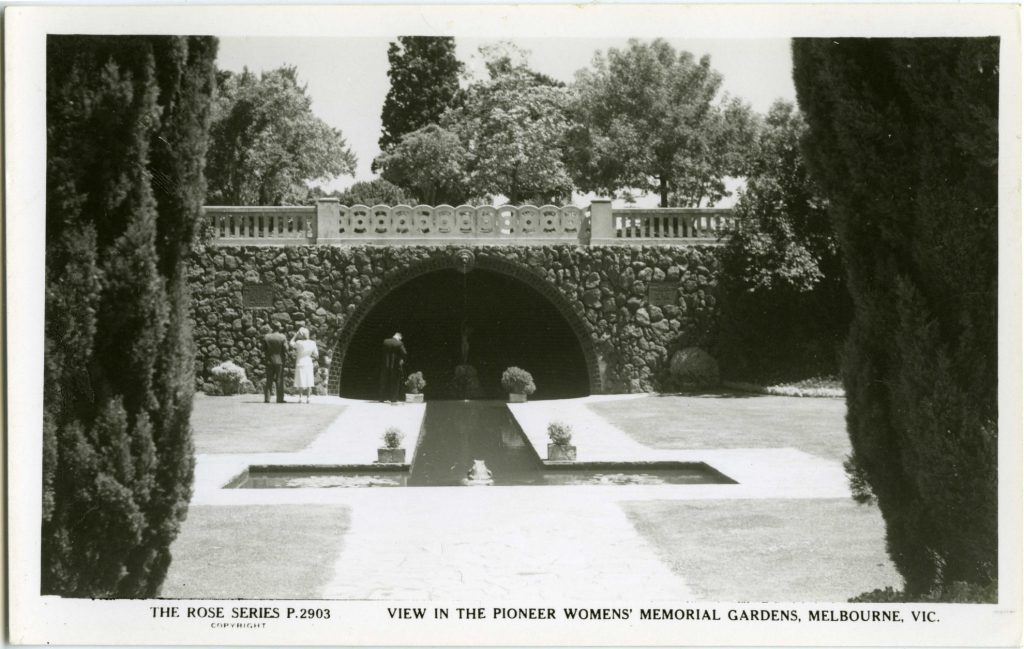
424 77
903 138
128 122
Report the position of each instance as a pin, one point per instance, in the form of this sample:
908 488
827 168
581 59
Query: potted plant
391 452
518 383
414 385
559 449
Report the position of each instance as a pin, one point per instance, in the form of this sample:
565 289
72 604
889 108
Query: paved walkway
486 543
491 544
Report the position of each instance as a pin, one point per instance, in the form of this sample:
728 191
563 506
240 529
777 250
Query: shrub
693 367
229 377
560 433
127 132
516 380
414 384
958 592
912 188
393 437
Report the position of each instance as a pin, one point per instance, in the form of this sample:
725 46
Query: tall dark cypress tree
424 76
904 140
128 122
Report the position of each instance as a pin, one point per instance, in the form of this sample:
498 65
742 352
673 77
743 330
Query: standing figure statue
392 367
467 331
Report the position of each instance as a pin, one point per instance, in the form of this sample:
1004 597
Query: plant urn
515 397
391 456
561 453
414 398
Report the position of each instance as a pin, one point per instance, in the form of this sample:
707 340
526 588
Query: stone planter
561 453
391 456
515 397
414 398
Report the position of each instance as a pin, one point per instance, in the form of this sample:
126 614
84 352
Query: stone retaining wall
605 293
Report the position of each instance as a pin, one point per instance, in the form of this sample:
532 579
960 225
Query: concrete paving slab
498 544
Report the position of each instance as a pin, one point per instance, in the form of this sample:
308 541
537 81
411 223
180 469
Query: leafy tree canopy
648 118
375 192
430 163
785 309
513 126
786 239
424 76
266 143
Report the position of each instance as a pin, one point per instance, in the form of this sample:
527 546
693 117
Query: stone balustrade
334 224
254 226
445 224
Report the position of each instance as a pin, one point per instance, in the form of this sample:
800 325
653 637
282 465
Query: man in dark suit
274 353
392 366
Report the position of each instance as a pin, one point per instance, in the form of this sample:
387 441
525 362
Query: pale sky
347 77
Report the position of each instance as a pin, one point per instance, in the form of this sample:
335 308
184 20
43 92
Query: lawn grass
826 550
244 424
733 420
256 551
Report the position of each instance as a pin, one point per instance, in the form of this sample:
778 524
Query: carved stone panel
662 293
258 296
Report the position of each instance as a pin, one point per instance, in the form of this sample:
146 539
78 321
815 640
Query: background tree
424 76
646 118
513 126
430 163
127 130
904 141
785 311
266 143
375 192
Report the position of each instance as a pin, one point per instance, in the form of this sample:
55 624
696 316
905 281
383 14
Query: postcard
536 325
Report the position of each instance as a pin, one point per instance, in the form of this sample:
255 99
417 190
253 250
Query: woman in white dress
305 352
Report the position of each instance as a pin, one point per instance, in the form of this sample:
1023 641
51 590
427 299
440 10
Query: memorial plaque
660 293
258 296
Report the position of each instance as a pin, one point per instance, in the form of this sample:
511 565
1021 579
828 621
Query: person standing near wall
274 353
392 366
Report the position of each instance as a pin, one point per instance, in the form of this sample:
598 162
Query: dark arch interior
510 323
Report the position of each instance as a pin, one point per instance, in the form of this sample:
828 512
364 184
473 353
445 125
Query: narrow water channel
455 433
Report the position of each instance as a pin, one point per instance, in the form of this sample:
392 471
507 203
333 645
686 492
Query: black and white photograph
531 325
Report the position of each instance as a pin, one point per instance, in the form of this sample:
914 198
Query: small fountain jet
478 475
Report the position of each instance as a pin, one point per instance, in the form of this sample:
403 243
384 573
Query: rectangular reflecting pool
610 474
456 437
